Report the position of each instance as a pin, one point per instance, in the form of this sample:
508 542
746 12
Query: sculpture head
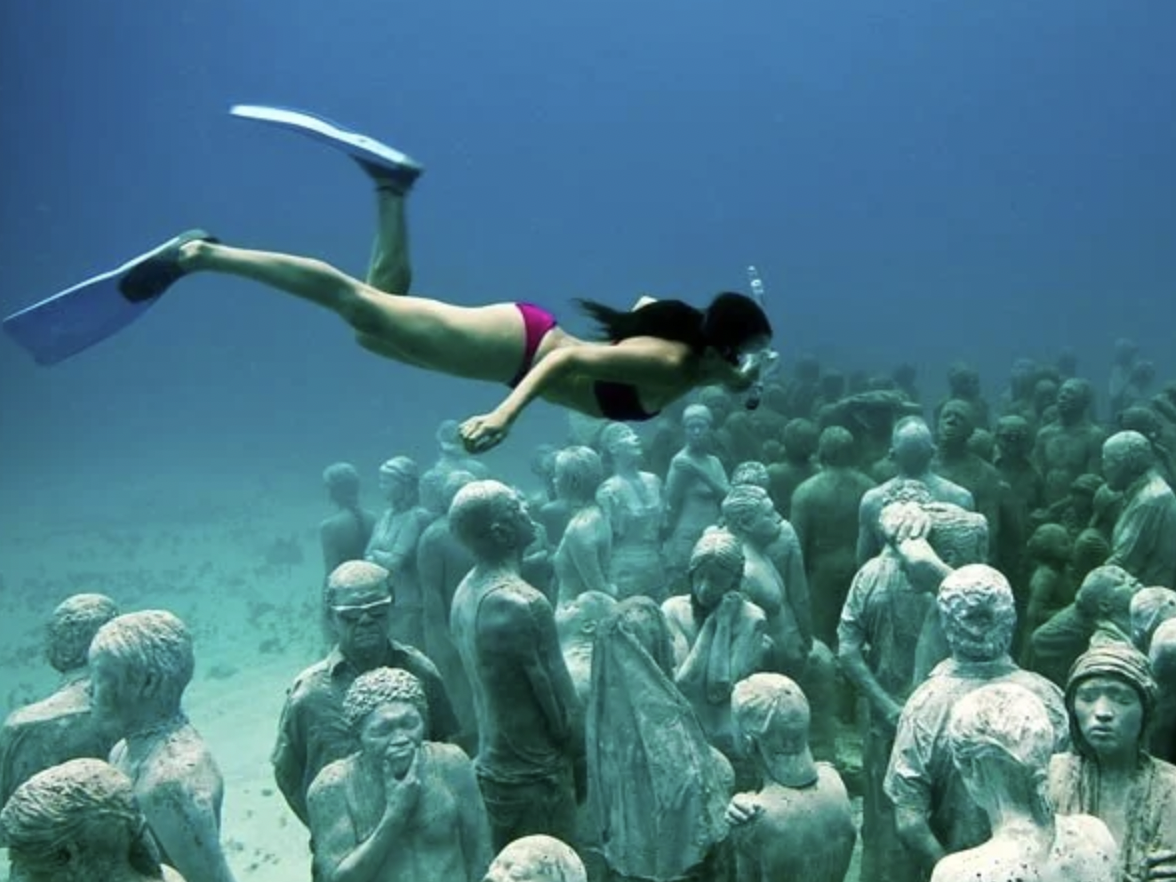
1014 437
959 537
536 859
697 422
1091 551
749 513
342 482
963 381
1150 608
640 620
1022 377
360 597
1143 373
448 438
835 448
1143 420
78 822
983 444
1110 696
492 521
773 716
752 472
1105 595
715 569
1126 351
140 665
1126 457
388 714
399 479
73 625
956 423
1074 399
578 474
1051 544
800 440
1001 740
912 446
1045 395
581 617
620 444
977 613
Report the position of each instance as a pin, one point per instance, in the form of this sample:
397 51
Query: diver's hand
481 433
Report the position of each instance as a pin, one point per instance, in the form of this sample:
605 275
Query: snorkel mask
762 362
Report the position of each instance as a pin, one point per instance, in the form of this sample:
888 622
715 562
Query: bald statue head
492 521
1126 457
835 447
912 446
537 859
1105 595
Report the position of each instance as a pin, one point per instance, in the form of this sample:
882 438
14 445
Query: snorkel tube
760 363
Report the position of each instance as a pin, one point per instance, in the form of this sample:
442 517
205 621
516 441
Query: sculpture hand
401 794
1161 865
742 808
481 433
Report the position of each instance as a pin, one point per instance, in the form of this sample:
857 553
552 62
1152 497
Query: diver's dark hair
730 320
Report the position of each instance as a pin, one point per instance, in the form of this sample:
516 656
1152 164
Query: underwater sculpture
1110 697
719 636
773 575
955 462
1162 655
1150 608
657 790
582 560
537 858
1144 538
345 535
934 813
801 442
400 807
442 562
394 545
877 638
1072 445
529 733
1102 603
912 449
577 623
141 663
799 823
695 487
1001 739
1051 584
312 731
62 726
825 516
631 501
80 822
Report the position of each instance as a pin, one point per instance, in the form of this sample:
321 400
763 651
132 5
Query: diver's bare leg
480 342
390 269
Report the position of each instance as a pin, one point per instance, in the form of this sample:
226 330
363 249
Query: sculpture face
711 580
1118 464
1072 398
696 430
955 424
625 444
392 734
764 525
1109 715
110 689
361 620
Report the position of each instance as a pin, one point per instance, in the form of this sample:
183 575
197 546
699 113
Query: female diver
649 356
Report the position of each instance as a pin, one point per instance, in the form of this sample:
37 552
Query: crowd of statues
684 655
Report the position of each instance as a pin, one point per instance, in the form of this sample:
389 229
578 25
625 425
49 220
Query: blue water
917 180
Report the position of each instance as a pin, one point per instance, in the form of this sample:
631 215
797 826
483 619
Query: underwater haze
924 181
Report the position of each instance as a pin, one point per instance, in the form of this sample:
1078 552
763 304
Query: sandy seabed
244 575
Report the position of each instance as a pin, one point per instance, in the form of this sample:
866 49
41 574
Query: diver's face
392 734
1109 715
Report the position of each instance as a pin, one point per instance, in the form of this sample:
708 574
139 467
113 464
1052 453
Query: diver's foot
160 269
386 166
397 179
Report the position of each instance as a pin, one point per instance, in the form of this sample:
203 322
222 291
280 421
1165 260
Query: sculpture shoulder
308 682
330 779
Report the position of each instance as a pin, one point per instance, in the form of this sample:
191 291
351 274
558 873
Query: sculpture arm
1134 537
473 825
797 586
853 664
289 759
584 536
868 544
908 782
337 856
184 820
